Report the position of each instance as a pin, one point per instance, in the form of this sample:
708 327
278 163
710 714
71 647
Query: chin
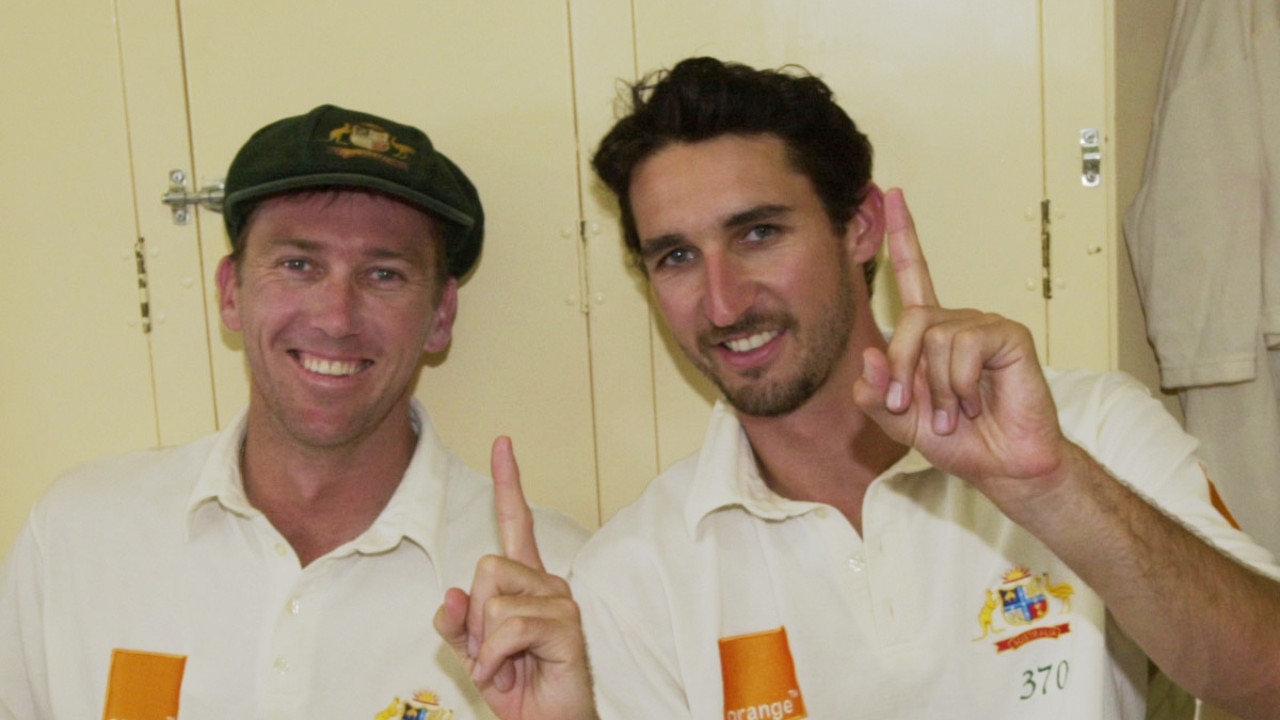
770 401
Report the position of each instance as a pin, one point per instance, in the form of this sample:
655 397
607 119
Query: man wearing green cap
288 566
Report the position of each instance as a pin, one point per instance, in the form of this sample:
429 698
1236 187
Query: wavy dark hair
703 98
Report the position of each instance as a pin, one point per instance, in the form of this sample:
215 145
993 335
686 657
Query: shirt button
821 513
282 666
857 563
282 549
295 606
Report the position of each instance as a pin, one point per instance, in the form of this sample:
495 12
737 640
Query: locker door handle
1090 157
179 200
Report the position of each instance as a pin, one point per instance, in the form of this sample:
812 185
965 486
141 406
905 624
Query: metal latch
144 289
1090 157
179 200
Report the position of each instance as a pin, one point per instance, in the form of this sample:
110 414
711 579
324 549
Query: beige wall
555 343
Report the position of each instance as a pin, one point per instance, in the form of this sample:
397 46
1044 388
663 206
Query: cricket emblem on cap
365 139
1025 600
422 706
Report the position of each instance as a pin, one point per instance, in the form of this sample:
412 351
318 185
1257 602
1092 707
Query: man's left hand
518 632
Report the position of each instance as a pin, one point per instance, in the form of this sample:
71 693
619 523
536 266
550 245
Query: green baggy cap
331 147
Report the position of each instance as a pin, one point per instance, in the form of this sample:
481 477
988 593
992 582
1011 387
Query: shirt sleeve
1115 418
1196 228
24 688
633 678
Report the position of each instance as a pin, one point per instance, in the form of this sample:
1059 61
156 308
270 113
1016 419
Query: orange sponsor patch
760 677
143 685
1220 505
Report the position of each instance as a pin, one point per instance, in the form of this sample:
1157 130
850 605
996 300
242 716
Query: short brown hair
703 98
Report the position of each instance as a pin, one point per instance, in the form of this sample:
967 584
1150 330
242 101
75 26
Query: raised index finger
515 519
915 286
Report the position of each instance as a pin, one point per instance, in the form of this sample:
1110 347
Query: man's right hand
518 632
963 387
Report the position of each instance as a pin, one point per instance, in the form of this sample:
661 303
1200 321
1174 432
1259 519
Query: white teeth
330 367
751 343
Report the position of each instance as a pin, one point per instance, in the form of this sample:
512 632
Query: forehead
348 219
713 179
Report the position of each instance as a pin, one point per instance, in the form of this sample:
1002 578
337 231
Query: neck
826 450
321 497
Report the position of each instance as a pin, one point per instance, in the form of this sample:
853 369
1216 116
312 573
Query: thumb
451 623
874 395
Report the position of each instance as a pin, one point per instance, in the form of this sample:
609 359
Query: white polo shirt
161 552
713 597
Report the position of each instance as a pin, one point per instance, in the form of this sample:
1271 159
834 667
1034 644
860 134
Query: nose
335 306
729 291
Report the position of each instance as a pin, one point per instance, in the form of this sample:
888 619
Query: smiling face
757 287
337 296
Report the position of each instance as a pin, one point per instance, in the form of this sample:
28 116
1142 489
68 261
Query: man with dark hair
929 526
822 141
287 566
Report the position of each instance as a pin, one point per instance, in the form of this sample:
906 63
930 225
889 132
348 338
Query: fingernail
473 646
941 422
895 395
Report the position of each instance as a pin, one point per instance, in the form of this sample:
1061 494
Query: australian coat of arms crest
1025 602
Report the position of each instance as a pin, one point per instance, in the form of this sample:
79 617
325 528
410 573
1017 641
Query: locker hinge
584 282
1046 263
144 293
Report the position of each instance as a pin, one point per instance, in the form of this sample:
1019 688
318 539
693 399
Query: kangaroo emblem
985 614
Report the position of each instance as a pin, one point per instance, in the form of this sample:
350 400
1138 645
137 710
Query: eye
761 232
296 264
386 275
676 258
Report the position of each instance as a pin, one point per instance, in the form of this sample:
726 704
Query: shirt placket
286 660
852 566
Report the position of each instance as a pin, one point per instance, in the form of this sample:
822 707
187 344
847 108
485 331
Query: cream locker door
1083 313
75 362
490 82
950 94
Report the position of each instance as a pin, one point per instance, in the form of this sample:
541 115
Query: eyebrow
380 253
755 215
275 244
376 253
650 247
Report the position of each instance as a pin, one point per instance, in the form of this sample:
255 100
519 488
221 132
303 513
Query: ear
442 322
865 232
229 294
